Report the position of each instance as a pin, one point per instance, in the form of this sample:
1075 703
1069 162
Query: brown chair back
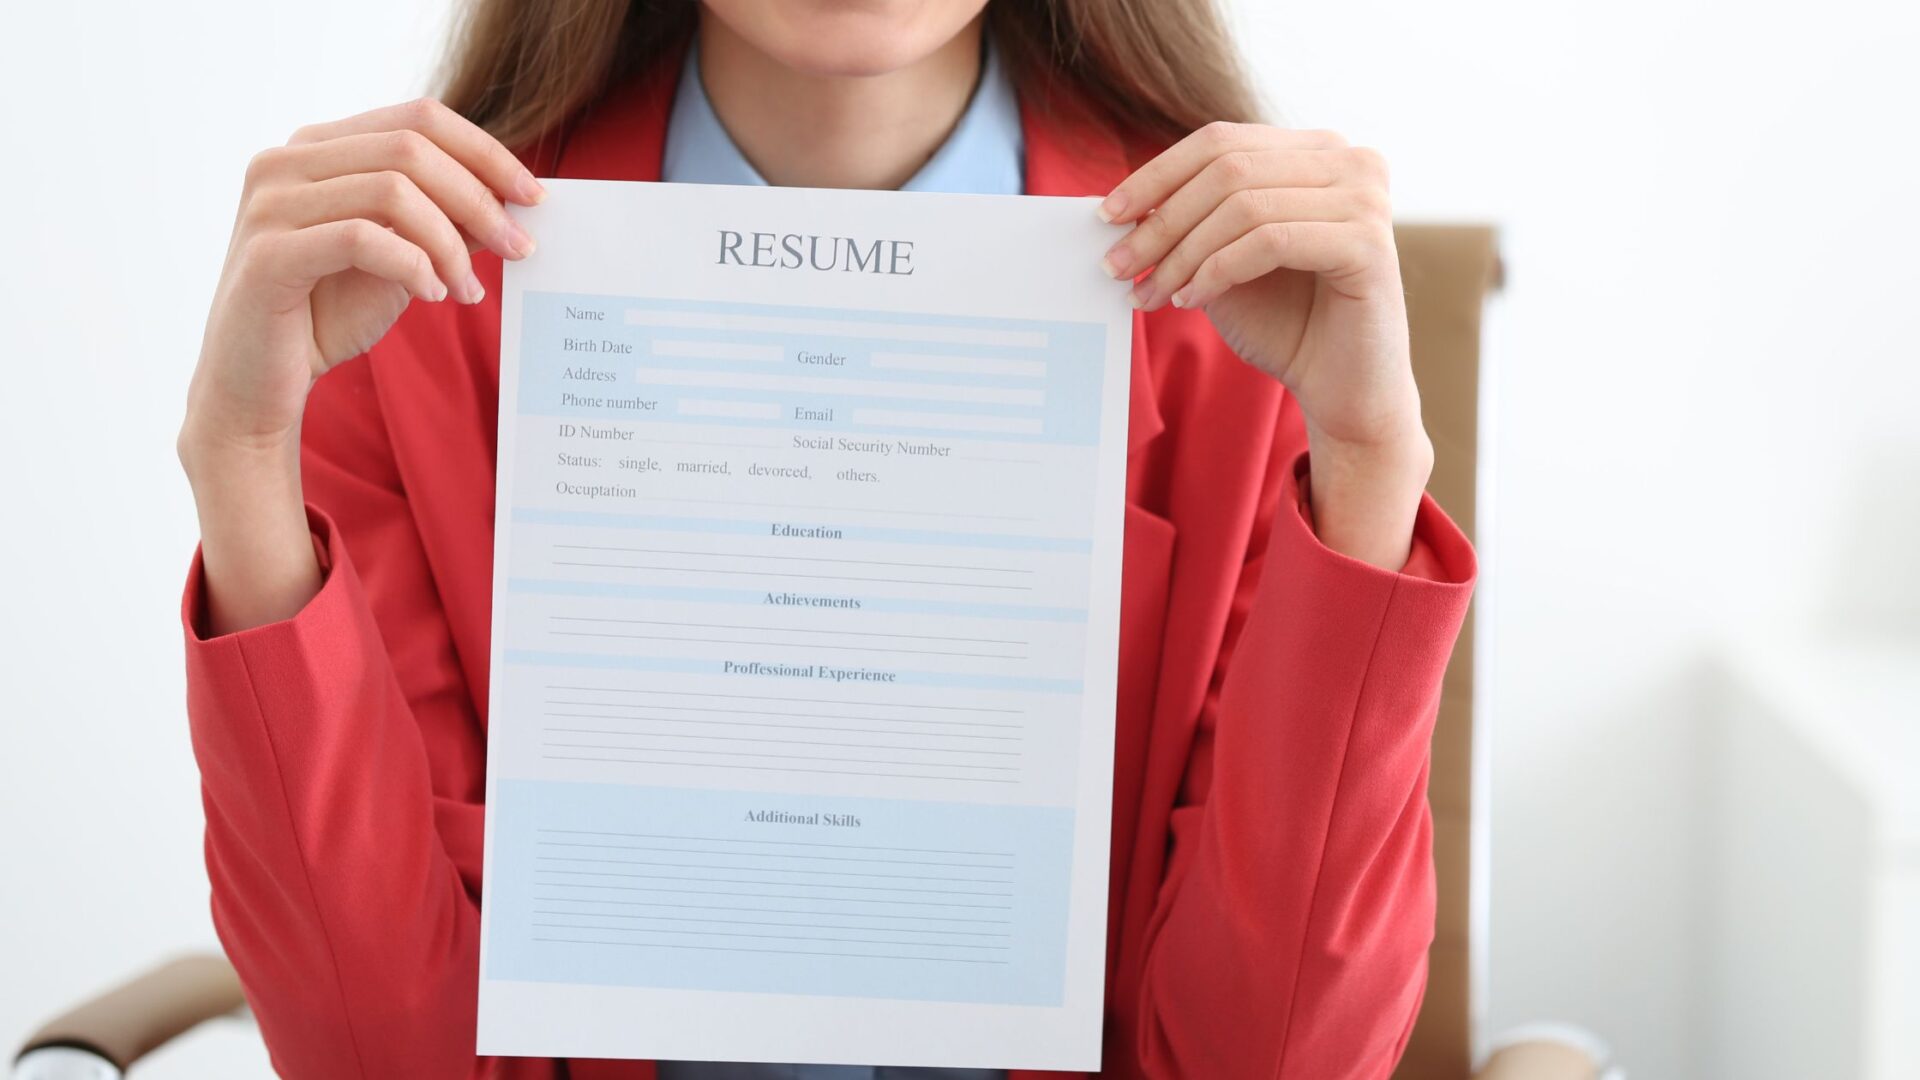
1449 271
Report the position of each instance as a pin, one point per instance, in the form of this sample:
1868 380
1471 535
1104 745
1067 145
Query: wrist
1365 496
256 547
209 455
1405 457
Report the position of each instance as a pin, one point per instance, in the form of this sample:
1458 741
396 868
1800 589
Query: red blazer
1272 885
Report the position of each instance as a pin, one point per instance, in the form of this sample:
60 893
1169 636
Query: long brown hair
1153 69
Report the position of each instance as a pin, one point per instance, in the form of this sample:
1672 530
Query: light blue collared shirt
983 155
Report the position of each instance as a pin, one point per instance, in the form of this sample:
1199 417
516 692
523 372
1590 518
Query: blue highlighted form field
756 598
758 528
832 371
706 889
811 672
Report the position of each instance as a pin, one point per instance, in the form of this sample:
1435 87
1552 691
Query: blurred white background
1704 390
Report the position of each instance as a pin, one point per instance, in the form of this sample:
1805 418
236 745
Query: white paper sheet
805 618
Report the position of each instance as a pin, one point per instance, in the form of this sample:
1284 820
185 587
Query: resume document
805 615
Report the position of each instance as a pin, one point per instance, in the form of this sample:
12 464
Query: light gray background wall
1703 420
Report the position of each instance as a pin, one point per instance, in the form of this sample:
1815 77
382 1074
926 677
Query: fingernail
471 291
1117 261
530 190
518 242
438 291
1139 295
1181 297
1112 206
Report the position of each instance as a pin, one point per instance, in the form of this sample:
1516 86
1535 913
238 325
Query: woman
1286 615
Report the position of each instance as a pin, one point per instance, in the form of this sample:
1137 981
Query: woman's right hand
337 232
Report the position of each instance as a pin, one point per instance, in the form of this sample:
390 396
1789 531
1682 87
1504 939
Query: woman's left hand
1285 239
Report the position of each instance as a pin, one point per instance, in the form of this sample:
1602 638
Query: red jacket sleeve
354 932
1290 936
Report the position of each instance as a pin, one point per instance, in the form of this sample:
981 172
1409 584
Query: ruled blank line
779 768
776 884
787 629
772 870
770 573
796 742
880 330
795 558
781 644
775 937
770 911
751 723
775 952
958 365
778 843
779 757
773 922
716 350
766 854
887 391
698 442
793 715
736 410
968 514
983 423
777 697
773 896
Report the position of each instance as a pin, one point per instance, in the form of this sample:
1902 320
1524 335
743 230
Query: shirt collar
982 155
